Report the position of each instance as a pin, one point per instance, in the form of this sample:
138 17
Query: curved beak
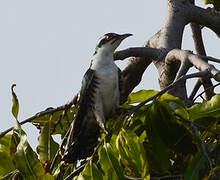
123 36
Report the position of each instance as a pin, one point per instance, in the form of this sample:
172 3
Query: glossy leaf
158 153
109 163
6 164
132 153
59 123
47 147
207 108
47 176
90 172
15 103
169 98
195 167
23 157
140 96
173 134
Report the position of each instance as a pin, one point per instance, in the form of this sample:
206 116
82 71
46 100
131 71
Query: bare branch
195 89
195 60
146 52
204 17
183 78
200 49
131 76
43 113
208 58
199 95
75 173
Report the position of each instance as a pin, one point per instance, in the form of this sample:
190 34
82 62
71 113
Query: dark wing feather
84 129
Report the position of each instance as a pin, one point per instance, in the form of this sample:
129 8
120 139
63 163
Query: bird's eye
109 37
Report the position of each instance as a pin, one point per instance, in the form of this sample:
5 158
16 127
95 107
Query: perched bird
98 99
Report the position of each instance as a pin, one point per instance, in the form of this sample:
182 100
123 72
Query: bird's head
110 41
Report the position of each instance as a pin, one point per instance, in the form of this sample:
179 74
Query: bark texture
164 50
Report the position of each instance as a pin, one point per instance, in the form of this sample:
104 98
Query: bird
97 100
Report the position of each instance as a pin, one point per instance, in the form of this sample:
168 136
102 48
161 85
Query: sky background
46 47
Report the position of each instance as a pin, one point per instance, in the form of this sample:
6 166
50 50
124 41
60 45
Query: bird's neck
102 57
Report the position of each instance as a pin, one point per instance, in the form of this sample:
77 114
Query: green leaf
15 103
158 153
207 108
132 153
6 164
140 96
169 98
47 147
198 163
46 176
90 172
109 163
23 157
59 122
208 1
5 143
173 134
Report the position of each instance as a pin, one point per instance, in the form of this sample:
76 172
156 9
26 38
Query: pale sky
46 47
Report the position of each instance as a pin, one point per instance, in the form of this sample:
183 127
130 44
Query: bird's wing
120 83
85 102
84 130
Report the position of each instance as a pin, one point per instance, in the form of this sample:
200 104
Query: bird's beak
123 36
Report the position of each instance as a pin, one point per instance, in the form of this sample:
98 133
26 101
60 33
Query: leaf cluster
150 142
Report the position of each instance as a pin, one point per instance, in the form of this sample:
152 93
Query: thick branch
145 52
204 17
195 60
200 49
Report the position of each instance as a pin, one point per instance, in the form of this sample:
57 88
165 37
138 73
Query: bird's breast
108 88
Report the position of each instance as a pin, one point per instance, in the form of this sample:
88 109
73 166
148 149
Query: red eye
109 37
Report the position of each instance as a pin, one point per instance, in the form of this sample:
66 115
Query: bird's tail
82 146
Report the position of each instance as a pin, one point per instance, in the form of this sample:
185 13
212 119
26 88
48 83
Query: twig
60 148
210 59
207 129
42 113
195 89
183 78
199 95
132 178
203 145
10 175
200 49
166 177
76 172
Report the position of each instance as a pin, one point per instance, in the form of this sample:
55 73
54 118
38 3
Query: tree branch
145 52
204 17
199 95
195 60
43 113
200 49
183 78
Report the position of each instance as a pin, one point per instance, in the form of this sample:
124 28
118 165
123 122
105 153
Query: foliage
151 142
